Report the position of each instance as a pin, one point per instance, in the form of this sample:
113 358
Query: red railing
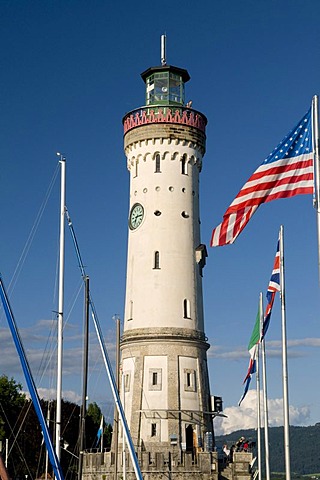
164 114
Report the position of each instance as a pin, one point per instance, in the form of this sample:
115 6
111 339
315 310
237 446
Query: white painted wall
189 399
128 365
155 401
157 295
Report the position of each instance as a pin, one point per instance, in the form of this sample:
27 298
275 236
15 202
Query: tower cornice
164 114
175 335
177 131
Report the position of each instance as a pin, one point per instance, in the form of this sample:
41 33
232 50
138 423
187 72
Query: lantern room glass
164 88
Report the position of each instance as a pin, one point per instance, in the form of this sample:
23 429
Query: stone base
171 466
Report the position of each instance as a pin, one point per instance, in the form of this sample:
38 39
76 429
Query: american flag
286 172
273 288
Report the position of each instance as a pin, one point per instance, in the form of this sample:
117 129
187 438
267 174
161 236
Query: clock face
136 216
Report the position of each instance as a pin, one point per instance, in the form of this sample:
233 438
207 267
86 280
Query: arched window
157 170
156 264
184 165
186 308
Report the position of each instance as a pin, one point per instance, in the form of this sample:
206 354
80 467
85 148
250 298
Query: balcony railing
164 114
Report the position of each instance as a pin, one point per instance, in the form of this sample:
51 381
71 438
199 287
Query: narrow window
153 429
136 169
189 380
154 378
184 165
186 308
126 382
156 264
157 170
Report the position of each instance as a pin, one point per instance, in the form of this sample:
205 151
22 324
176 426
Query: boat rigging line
32 233
30 381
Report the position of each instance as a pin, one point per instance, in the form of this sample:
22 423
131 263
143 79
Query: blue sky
70 70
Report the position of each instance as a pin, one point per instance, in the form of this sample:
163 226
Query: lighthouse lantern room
165 85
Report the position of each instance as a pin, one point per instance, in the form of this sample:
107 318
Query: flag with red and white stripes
286 172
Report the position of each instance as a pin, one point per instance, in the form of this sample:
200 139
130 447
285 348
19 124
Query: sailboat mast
85 377
61 303
116 414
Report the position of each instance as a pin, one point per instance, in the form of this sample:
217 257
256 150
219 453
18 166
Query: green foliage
10 395
19 424
95 413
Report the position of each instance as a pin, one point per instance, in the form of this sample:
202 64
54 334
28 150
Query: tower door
189 438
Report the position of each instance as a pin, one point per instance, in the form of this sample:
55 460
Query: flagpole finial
163 50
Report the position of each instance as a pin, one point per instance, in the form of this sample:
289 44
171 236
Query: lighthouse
165 383
163 346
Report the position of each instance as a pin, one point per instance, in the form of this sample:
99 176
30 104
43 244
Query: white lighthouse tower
165 385
164 363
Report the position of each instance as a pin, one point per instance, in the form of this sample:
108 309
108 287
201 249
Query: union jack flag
286 172
273 288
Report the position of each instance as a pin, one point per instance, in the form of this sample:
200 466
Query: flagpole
265 396
101 443
284 361
258 404
315 139
60 304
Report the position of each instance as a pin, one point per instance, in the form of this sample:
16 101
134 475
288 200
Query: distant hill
304 447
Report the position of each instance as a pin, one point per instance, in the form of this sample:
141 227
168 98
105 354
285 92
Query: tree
11 402
19 423
95 413
22 435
